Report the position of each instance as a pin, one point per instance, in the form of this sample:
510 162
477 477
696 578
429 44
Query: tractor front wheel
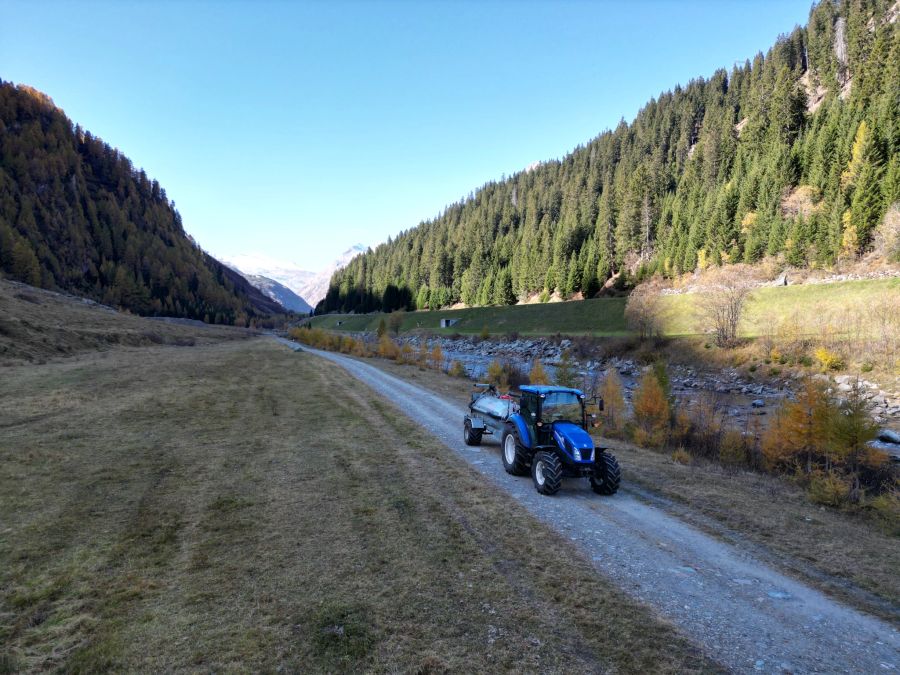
510 450
471 436
546 472
607 475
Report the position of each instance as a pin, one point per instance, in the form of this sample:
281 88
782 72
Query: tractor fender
525 437
475 421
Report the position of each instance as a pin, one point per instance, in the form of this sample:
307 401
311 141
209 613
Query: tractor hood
567 433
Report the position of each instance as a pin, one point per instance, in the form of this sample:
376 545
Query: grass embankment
599 317
771 307
241 507
38 325
768 308
841 553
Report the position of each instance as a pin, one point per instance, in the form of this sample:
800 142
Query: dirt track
745 614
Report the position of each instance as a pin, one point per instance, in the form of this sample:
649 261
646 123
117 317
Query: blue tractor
544 431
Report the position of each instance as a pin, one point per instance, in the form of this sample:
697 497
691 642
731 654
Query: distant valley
307 287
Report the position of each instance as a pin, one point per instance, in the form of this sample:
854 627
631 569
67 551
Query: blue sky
297 129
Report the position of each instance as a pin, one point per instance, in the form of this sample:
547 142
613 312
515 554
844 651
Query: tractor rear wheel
546 472
511 451
471 436
607 475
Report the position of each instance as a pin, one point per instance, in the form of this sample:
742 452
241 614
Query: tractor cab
542 405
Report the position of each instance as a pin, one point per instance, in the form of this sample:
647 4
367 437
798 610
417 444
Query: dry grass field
236 506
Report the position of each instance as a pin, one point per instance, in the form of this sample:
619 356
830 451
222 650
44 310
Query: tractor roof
543 389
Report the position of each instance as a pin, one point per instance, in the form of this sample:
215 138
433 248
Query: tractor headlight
576 453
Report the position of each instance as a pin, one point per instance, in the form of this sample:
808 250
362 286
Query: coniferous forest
75 215
795 153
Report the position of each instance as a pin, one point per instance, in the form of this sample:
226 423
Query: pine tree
25 264
537 374
613 401
565 370
850 431
866 206
651 411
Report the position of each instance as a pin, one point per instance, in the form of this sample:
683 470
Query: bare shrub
395 321
722 301
643 310
828 489
699 428
457 369
886 242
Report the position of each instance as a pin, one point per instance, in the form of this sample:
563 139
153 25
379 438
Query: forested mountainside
795 153
75 215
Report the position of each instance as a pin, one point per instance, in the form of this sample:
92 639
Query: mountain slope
280 293
796 153
76 215
316 288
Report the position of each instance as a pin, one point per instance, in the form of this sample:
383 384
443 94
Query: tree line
795 152
76 215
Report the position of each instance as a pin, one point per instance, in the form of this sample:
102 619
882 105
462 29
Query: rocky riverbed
743 401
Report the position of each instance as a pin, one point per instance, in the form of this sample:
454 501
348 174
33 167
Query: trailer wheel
607 475
546 472
471 436
511 451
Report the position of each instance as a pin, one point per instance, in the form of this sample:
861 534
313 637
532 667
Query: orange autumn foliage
651 411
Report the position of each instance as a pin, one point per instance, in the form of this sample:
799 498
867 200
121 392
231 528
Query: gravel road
745 614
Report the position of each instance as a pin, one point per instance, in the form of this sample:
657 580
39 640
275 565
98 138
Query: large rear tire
471 436
607 475
514 460
546 472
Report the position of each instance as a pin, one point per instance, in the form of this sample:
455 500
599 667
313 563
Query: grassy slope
605 316
210 508
842 554
37 325
771 305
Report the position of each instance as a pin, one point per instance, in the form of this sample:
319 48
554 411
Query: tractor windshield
561 405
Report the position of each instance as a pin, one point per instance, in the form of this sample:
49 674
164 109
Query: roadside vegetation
194 508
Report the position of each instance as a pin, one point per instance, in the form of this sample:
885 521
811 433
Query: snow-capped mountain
279 292
310 286
318 285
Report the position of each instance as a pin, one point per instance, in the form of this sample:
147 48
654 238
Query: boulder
889 436
758 403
